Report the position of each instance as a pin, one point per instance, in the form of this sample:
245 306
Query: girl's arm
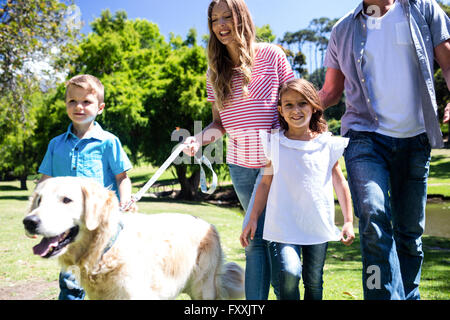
340 186
262 192
211 133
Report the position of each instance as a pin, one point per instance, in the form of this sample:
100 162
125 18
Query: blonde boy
86 150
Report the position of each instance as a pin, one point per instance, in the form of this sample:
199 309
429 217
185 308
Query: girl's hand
250 229
192 146
347 234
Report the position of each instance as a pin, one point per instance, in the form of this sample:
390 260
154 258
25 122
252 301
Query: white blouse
300 205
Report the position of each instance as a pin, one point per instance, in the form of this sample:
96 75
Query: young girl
242 83
297 191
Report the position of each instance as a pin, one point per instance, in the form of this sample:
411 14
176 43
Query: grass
439 181
439 176
342 274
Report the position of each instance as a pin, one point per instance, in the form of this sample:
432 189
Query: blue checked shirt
429 27
99 156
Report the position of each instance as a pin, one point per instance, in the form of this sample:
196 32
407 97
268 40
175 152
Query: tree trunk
23 183
189 186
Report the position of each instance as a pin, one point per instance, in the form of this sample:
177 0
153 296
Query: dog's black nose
31 223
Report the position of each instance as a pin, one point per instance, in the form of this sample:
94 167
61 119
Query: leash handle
136 197
203 186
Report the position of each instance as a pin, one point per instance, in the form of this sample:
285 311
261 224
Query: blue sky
178 16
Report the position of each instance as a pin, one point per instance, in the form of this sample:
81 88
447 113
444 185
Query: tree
33 34
151 87
296 59
177 99
265 34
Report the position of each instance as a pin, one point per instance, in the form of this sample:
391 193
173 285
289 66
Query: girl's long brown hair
307 90
220 63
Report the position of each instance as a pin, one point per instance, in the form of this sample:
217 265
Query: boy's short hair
90 83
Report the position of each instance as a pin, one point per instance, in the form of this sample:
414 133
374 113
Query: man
382 54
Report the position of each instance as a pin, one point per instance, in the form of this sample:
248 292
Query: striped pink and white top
243 117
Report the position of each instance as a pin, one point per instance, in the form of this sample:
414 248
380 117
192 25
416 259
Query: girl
242 83
297 187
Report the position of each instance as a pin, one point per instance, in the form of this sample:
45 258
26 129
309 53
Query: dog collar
113 239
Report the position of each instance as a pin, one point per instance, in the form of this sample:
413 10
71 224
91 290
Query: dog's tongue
45 245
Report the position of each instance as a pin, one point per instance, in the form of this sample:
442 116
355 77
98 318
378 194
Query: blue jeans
288 269
257 258
70 289
388 182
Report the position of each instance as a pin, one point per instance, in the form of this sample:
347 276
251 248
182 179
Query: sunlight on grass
342 273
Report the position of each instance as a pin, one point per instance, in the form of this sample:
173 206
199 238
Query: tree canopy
37 38
153 85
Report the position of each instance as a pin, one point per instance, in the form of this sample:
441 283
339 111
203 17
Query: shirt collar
359 9
96 133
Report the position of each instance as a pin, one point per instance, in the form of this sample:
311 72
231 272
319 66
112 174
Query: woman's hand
192 146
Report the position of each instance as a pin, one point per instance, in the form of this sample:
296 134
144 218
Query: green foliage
31 32
334 126
265 34
151 86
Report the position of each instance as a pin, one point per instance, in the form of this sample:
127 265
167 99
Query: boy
86 150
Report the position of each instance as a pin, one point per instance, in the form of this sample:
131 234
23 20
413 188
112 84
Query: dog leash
203 160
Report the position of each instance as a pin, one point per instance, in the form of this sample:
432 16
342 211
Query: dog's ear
98 203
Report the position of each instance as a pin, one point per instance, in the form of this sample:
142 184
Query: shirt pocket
262 86
403 35
93 166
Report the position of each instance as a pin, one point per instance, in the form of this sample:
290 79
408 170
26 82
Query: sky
178 16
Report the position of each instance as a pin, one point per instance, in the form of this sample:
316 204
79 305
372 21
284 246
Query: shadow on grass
18 198
440 170
435 269
9 188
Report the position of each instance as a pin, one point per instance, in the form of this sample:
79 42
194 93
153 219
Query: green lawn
342 275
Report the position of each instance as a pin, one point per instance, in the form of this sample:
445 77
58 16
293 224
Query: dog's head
64 208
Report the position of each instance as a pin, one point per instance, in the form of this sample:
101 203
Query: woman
242 83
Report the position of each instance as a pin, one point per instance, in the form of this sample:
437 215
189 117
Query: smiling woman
242 83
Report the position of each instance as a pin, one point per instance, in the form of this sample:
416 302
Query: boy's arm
340 186
262 193
124 186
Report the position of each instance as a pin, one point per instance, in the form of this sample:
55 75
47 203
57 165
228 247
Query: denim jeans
70 288
258 267
288 269
388 182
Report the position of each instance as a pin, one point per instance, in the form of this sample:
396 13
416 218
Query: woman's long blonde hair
220 63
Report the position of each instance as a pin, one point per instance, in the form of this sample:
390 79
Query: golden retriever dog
128 256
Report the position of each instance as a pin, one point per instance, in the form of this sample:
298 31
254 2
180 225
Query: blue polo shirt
99 156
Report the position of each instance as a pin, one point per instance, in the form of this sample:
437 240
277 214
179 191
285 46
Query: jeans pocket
359 143
423 140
